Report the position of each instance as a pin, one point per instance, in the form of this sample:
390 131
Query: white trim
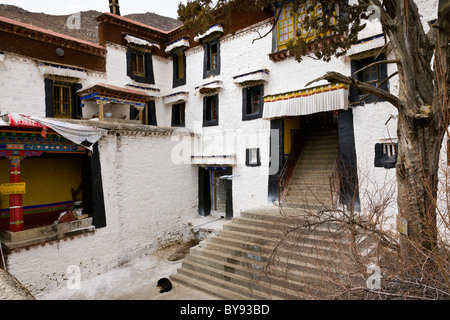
140 41
180 43
260 75
176 97
211 30
62 71
366 45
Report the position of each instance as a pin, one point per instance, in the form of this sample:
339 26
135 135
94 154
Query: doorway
215 191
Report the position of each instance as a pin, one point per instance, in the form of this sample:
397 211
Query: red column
15 200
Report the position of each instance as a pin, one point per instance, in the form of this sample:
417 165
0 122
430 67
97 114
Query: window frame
248 157
180 110
75 101
179 66
297 22
208 71
357 63
384 160
246 95
148 75
207 101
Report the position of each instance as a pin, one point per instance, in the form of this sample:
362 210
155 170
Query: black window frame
179 115
207 71
207 100
382 160
247 157
357 64
149 77
76 110
246 95
177 80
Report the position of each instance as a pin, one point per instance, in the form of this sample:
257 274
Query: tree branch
333 76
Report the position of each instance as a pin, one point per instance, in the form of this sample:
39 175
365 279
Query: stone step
201 284
294 258
297 278
254 287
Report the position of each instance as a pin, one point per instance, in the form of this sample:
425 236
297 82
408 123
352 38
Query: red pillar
15 200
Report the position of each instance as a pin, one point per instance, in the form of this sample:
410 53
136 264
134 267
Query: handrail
288 169
335 183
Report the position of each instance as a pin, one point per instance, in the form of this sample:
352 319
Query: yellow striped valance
306 101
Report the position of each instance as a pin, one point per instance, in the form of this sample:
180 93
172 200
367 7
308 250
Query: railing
335 184
284 178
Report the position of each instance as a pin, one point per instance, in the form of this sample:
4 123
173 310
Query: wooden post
15 200
100 110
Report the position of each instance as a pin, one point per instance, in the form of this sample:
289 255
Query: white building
180 110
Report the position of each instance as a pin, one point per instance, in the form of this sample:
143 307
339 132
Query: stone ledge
24 239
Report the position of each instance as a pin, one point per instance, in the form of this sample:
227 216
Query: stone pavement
137 280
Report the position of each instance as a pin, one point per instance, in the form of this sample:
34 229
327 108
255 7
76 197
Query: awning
76 133
140 41
180 43
176 97
64 71
307 101
367 44
116 95
250 77
213 29
210 87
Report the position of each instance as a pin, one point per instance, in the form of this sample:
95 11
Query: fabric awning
57 70
259 75
176 97
213 29
76 133
180 43
367 44
307 101
210 87
140 41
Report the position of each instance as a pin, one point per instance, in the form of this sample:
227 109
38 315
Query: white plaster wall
21 86
148 201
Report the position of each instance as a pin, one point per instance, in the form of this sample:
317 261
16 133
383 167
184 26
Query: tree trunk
419 144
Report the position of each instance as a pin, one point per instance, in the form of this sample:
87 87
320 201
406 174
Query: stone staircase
309 187
266 253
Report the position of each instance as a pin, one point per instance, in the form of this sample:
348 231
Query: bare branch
333 76
377 63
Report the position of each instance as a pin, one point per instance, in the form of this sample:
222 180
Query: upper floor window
179 69
291 23
364 70
252 102
211 110
140 65
212 58
61 100
178 115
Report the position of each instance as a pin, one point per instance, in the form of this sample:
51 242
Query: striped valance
307 101
367 44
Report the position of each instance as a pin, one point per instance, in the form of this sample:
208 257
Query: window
373 75
253 101
386 155
211 111
252 158
140 65
291 23
178 115
212 58
61 100
179 69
